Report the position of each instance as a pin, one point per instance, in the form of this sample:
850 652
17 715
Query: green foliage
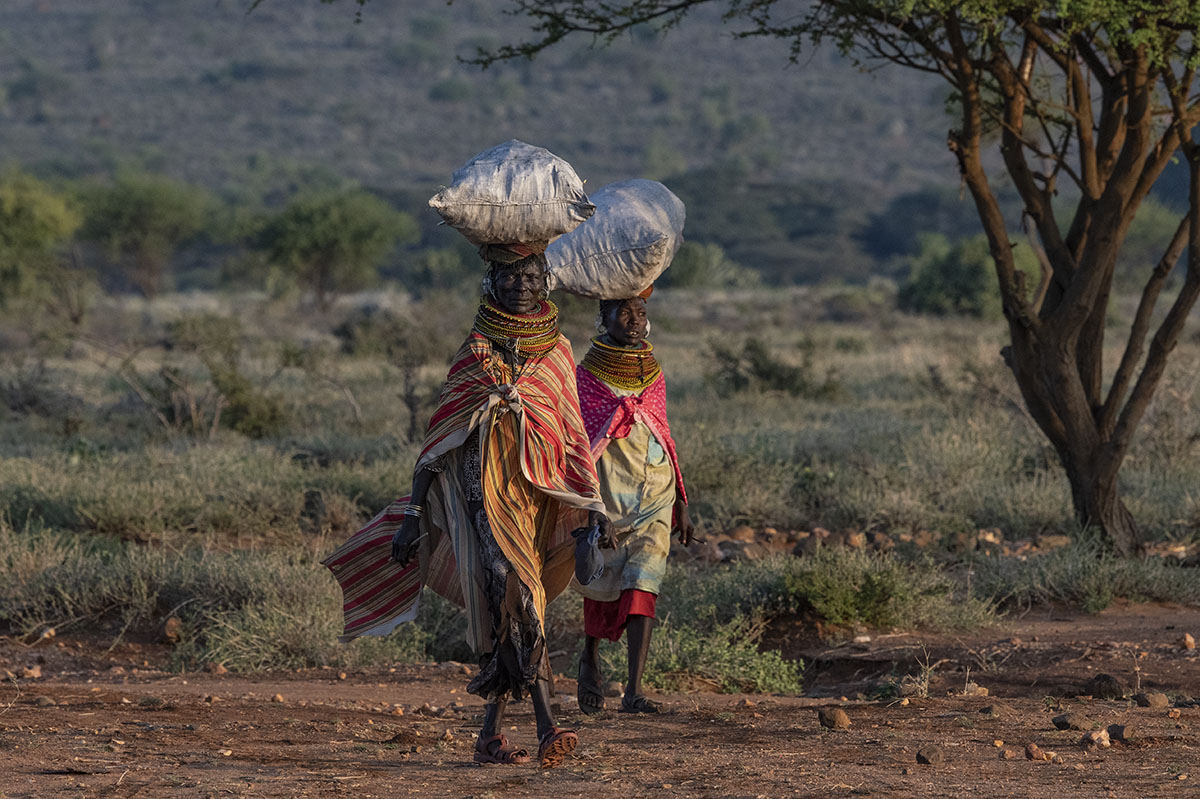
34 219
141 220
335 241
753 366
956 279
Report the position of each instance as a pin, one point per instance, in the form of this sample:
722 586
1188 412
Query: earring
647 327
486 285
544 294
600 328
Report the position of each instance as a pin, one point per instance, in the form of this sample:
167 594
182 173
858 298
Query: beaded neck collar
527 335
628 368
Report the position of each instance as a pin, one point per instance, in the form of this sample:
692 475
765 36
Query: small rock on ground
1104 686
1155 700
833 718
1072 721
1120 732
1095 738
931 755
1034 752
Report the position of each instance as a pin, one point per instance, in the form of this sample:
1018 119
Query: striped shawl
530 429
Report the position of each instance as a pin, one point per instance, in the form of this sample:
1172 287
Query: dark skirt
518 657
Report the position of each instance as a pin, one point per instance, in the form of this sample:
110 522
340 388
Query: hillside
297 94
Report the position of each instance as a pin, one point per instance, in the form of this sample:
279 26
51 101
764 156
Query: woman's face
517 288
627 322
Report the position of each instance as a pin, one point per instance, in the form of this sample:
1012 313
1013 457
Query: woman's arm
404 542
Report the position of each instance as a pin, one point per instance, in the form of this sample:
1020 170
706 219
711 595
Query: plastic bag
624 247
514 192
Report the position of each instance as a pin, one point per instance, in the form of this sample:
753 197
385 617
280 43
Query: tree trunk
1098 503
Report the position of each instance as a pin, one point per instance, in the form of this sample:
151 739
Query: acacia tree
336 240
1091 100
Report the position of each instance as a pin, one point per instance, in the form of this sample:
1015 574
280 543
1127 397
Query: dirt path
111 725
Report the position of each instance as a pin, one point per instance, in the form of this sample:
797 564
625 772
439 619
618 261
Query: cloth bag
624 247
514 192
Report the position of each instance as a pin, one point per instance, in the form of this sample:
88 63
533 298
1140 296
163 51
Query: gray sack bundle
624 247
513 193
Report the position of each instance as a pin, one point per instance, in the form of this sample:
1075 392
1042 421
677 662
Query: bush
141 220
946 279
754 367
336 240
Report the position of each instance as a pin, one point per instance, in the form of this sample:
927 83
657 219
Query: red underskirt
607 619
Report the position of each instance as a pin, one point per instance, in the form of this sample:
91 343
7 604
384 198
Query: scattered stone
43 701
211 699
215 668
427 710
1154 700
856 540
613 689
745 703
931 755
278 698
341 675
1121 733
833 718
997 743
33 672
862 639
1187 641
1104 686
1057 759
1010 754
904 702
1174 713
172 630
1034 752
397 711
1095 738
224 752
465 670
974 689
995 711
447 736
1072 721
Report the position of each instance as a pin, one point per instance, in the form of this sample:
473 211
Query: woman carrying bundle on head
504 478
622 395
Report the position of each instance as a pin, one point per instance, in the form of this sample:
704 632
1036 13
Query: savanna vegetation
216 362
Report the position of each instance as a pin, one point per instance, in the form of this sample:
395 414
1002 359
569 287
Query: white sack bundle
624 247
514 192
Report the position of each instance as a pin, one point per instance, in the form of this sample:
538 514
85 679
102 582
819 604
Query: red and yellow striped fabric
531 431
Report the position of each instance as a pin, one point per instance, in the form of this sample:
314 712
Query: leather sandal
555 746
497 750
639 704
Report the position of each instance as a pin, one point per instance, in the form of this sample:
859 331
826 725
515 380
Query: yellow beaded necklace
527 335
629 368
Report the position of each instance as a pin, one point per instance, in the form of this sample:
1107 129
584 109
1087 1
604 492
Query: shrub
141 220
335 240
754 366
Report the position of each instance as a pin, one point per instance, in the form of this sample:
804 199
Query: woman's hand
404 542
684 526
608 539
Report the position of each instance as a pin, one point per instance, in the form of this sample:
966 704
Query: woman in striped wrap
504 477
623 397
